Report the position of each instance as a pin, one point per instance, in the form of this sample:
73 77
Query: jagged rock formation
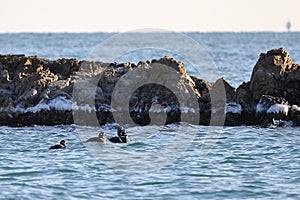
34 90
275 79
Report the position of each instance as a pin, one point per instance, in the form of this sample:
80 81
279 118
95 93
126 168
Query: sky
129 15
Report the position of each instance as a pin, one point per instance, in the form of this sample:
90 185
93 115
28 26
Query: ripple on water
245 162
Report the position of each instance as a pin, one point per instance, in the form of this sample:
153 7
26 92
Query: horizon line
137 31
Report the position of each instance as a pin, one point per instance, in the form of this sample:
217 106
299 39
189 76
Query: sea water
245 162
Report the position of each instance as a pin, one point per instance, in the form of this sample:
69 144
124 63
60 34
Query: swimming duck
122 136
120 139
101 138
62 145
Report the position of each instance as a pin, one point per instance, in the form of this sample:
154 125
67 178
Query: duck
122 136
121 131
62 145
101 138
120 139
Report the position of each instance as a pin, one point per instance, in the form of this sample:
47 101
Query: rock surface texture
39 91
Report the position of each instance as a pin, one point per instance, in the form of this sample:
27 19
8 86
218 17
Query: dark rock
203 87
177 65
64 67
39 91
230 91
248 116
291 90
275 74
270 108
295 115
244 95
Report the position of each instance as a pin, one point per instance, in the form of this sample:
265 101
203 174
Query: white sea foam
156 108
230 108
260 107
105 107
185 109
37 108
279 108
233 108
59 103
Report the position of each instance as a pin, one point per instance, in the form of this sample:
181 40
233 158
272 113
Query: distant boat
288 26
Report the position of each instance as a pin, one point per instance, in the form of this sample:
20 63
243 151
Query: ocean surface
160 162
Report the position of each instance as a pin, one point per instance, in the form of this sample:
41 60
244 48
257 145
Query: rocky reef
39 91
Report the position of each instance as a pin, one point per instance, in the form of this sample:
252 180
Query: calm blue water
246 162
230 163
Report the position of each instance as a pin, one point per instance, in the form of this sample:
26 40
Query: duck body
119 139
101 138
122 136
96 139
62 145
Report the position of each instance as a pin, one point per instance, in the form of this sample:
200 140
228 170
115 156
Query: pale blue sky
127 15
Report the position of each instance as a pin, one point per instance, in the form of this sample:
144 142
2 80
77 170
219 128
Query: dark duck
62 145
121 138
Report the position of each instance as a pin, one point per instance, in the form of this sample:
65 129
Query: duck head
121 131
101 135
